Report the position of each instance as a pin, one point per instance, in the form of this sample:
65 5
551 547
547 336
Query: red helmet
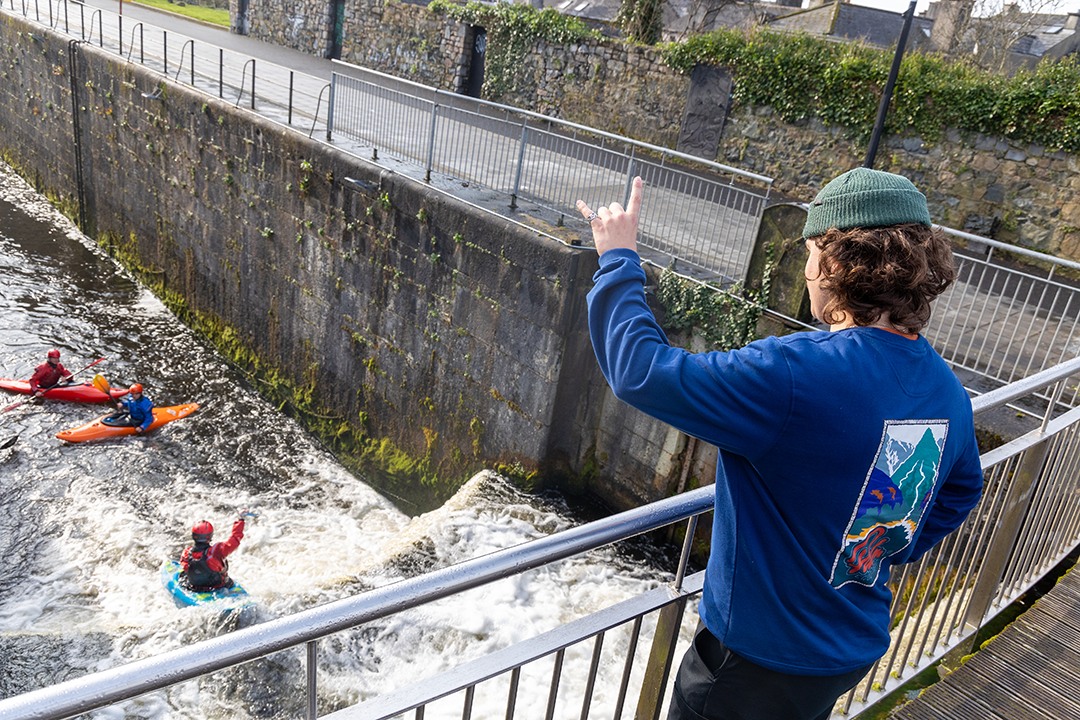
137 388
54 353
202 531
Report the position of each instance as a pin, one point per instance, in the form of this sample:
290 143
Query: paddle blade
102 384
12 406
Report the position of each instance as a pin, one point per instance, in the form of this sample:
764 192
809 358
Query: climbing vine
641 20
803 77
724 319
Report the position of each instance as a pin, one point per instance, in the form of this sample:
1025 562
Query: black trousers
714 683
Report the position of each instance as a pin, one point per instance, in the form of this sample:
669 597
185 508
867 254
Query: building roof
844 21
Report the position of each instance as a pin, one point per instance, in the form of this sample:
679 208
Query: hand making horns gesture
613 227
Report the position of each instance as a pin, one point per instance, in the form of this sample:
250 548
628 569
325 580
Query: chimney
1071 21
949 18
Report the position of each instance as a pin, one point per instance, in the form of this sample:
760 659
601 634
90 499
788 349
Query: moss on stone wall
414 481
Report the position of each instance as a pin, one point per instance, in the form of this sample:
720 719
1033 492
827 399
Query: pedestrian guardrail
1011 313
701 212
1027 521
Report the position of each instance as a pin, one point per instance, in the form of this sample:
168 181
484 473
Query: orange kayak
98 430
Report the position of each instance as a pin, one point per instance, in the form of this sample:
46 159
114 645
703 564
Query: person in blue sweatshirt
139 410
841 454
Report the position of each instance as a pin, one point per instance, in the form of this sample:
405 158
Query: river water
84 528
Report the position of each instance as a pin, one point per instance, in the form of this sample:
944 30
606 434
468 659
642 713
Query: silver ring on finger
592 216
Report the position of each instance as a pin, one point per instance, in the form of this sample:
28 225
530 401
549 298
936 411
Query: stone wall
378 305
408 41
984 185
303 25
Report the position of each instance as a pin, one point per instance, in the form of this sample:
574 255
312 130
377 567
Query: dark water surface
84 528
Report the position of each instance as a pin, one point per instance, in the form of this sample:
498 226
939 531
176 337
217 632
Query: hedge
802 77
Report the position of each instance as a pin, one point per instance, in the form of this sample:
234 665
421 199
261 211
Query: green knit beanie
865 198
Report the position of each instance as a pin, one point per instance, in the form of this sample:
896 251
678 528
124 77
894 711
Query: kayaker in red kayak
204 565
136 410
49 374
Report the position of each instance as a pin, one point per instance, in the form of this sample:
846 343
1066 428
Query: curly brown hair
893 271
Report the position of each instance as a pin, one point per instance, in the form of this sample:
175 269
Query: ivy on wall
512 33
803 77
724 320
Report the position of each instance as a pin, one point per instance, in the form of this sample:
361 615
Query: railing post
661 654
431 142
312 700
520 164
330 108
291 74
661 657
1001 546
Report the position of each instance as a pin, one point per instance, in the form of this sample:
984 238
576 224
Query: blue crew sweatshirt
841 454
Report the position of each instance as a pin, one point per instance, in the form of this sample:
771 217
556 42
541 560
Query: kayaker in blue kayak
205 567
137 410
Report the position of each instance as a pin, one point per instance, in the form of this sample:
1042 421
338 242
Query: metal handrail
1025 387
447 97
136 678
104 688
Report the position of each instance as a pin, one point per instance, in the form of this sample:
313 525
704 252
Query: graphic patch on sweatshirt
894 497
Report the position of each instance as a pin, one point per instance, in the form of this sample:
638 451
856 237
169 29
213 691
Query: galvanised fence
1011 313
701 212
617 662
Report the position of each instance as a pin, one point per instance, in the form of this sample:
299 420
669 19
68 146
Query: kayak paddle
20 403
102 384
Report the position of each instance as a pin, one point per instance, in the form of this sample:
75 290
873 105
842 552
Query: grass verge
214 16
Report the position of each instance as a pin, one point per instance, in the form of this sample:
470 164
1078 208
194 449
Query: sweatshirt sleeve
736 400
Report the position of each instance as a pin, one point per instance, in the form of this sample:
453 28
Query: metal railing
1010 313
1027 521
283 94
702 212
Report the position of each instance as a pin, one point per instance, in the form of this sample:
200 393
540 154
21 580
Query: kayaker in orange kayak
136 410
49 374
205 567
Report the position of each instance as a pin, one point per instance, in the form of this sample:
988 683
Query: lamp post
886 96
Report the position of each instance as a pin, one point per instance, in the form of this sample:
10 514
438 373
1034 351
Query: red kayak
100 430
81 392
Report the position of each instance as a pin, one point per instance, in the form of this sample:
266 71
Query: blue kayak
228 598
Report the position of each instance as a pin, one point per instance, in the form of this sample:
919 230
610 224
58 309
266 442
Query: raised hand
612 226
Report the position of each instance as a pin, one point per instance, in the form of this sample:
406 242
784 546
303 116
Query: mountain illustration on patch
893 500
